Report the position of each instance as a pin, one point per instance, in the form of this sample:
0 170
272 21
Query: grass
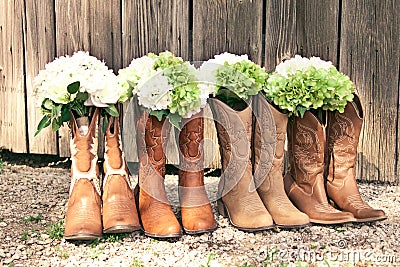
56 231
2 164
209 259
136 263
34 219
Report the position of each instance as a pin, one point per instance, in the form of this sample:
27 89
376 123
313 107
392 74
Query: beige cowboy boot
304 181
197 215
119 207
156 215
343 131
238 197
269 143
83 219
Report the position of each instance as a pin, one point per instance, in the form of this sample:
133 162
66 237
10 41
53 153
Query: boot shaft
84 148
234 130
343 132
306 147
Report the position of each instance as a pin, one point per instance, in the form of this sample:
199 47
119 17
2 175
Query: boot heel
222 208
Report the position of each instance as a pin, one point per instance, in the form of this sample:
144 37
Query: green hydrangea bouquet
300 84
77 84
165 85
233 78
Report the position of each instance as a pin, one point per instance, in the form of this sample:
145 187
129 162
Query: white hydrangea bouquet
165 85
300 84
76 84
233 78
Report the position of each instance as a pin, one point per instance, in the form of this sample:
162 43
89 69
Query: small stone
3 224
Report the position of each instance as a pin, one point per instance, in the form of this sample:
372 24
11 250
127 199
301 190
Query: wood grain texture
280 31
227 25
370 45
318 28
12 80
40 49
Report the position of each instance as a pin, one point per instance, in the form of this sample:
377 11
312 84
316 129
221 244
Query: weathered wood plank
370 54
227 25
154 26
318 28
72 34
12 81
40 49
280 31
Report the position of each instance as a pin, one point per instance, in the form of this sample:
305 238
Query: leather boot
269 143
83 219
156 215
343 131
119 207
304 181
197 215
238 198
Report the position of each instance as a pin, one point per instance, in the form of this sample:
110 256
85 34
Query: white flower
319 63
155 93
299 63
93 75
228 58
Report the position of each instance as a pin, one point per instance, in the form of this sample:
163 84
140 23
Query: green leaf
65 114
82 96
55 125
175 120
44 122
159 113
112 110
73 87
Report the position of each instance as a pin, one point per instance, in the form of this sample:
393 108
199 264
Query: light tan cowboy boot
119 207
304 181
83 219
269 143
343 131
156 215
197 215
238 197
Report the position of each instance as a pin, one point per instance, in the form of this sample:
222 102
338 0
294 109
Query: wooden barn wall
361 37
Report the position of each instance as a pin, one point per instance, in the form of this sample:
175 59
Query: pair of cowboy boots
156 215
251 192
91 213
322 167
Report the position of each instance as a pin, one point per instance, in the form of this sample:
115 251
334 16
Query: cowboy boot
238 198
119 207
269 143
156 215
343 131
196 211
304 181
83 219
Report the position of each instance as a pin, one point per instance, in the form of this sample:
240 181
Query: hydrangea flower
72 83
235 73
300 84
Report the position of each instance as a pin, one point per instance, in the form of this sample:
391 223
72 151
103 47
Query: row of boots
319 185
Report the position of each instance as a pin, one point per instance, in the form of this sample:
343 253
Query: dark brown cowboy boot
238 196
304 181
343 131
119 207
156 215
197 215
83 219
269 142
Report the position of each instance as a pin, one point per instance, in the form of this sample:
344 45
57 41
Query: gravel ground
33 198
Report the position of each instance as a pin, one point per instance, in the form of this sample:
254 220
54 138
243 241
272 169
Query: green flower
305 88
